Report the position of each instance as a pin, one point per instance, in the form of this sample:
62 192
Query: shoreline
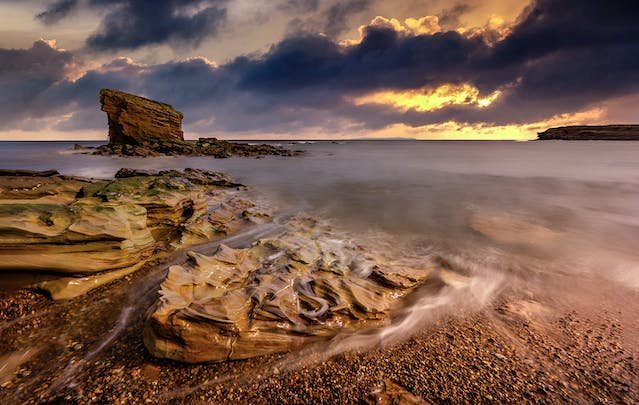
500 353
524 345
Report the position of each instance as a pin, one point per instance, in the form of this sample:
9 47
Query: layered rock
592 132
277 295
135 120
145 128
87 228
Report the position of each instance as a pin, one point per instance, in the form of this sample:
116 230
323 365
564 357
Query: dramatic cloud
331 20
337 15
450 17
560 59
130 24
299 6
57 11
25 74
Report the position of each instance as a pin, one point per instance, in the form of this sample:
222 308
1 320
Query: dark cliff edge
591 133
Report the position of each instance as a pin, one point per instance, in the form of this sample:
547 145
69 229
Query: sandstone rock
94 231
146 128
592 132
275 296
135 120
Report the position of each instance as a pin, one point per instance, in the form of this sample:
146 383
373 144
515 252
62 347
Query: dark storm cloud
25 74
561 57
57 10
331 20
383 59
337 16
130 24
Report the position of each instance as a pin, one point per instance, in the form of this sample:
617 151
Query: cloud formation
57 11
560 57
130 24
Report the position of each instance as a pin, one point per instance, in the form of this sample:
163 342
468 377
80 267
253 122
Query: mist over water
538 217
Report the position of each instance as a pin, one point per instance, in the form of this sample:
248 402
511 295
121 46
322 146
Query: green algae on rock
90 231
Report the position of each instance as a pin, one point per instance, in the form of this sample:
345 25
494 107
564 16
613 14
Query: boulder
592 132
135 120
277 295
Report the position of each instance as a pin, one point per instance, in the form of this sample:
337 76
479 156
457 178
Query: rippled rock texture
592 133
146 128
99 230
277 295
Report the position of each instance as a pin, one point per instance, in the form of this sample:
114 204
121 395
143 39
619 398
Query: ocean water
536 216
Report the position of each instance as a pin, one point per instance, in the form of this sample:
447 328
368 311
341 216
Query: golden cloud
494 30
430 99
485 131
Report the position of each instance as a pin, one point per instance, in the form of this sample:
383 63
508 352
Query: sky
321 69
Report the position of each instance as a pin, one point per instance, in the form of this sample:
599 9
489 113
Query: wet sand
519 348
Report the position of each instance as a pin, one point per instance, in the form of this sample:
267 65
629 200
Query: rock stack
135 120
142 127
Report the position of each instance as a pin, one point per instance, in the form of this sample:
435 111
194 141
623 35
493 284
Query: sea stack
591 133
135 120
146 128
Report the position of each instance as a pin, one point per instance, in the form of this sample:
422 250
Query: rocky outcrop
146 128
307 285
135 120
93 231
592 132
202 147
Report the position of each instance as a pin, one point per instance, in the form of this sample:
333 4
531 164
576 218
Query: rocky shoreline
280 293
90 232
213 147
222 269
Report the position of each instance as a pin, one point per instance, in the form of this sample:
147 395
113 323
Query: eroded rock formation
277 295
135 120
100 229
592 132
145 128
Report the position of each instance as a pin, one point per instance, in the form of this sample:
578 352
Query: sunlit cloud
452 130
495 30
430 99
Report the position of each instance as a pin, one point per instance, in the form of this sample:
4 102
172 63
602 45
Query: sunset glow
312 69
424 100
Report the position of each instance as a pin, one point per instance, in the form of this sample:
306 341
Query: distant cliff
592 132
